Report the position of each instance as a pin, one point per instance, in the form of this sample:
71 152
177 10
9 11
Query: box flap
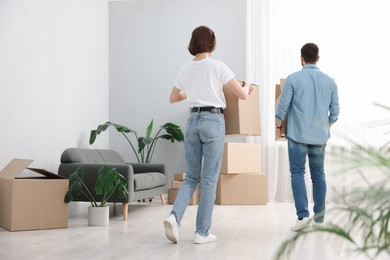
14 168
46 173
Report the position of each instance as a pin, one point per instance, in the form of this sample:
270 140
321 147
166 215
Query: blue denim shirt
311 99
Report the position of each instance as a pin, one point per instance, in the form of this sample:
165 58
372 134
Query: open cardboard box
30 203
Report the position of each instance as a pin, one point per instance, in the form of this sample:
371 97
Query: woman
200 82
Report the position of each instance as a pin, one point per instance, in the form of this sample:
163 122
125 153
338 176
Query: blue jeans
204 139
297 153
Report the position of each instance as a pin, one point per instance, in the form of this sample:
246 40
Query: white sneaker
300 224
318 224
199 239
171 229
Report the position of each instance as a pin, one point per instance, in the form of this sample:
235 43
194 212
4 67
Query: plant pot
98 216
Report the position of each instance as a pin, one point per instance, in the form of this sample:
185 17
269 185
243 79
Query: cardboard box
278 92
176 184
242 117
241 158
242 189
279 88
173 193
179 176
29 203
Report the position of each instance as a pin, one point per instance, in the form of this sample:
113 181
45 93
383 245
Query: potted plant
146 144
108 183
362 218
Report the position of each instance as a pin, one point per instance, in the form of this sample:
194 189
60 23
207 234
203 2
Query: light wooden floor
244 232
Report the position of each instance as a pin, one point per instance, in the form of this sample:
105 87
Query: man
311 99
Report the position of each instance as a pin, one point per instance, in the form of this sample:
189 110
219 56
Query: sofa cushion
144 181
85 155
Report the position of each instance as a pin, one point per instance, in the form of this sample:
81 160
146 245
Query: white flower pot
98 216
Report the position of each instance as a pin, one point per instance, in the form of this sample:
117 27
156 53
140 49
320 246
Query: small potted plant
108 183
147 143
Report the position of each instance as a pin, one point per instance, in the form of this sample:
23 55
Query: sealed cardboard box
242 189
242 117
241 158
278 92
279 88
179 176
172 193
176 184
29 203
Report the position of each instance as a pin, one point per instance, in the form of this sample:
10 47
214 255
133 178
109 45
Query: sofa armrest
148 167
91 173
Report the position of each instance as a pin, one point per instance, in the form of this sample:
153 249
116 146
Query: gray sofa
144 180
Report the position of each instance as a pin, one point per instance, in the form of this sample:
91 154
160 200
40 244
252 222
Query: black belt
207 109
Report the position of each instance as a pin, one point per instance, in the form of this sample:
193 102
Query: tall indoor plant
363 215
109 182
147 143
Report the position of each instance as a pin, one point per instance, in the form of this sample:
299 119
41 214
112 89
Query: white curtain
353 42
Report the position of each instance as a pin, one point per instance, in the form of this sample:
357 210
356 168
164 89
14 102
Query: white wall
53 77
148 45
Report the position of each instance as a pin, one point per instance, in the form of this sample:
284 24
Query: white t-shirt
202 81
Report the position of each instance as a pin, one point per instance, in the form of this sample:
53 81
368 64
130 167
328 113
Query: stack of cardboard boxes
178 179
241 181
278 92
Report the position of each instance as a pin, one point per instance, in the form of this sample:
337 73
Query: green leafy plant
108 183
146 144
363 215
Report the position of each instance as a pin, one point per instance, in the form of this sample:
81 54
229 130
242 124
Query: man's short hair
309 52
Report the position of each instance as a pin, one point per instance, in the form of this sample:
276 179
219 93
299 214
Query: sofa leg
125 207
162 199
